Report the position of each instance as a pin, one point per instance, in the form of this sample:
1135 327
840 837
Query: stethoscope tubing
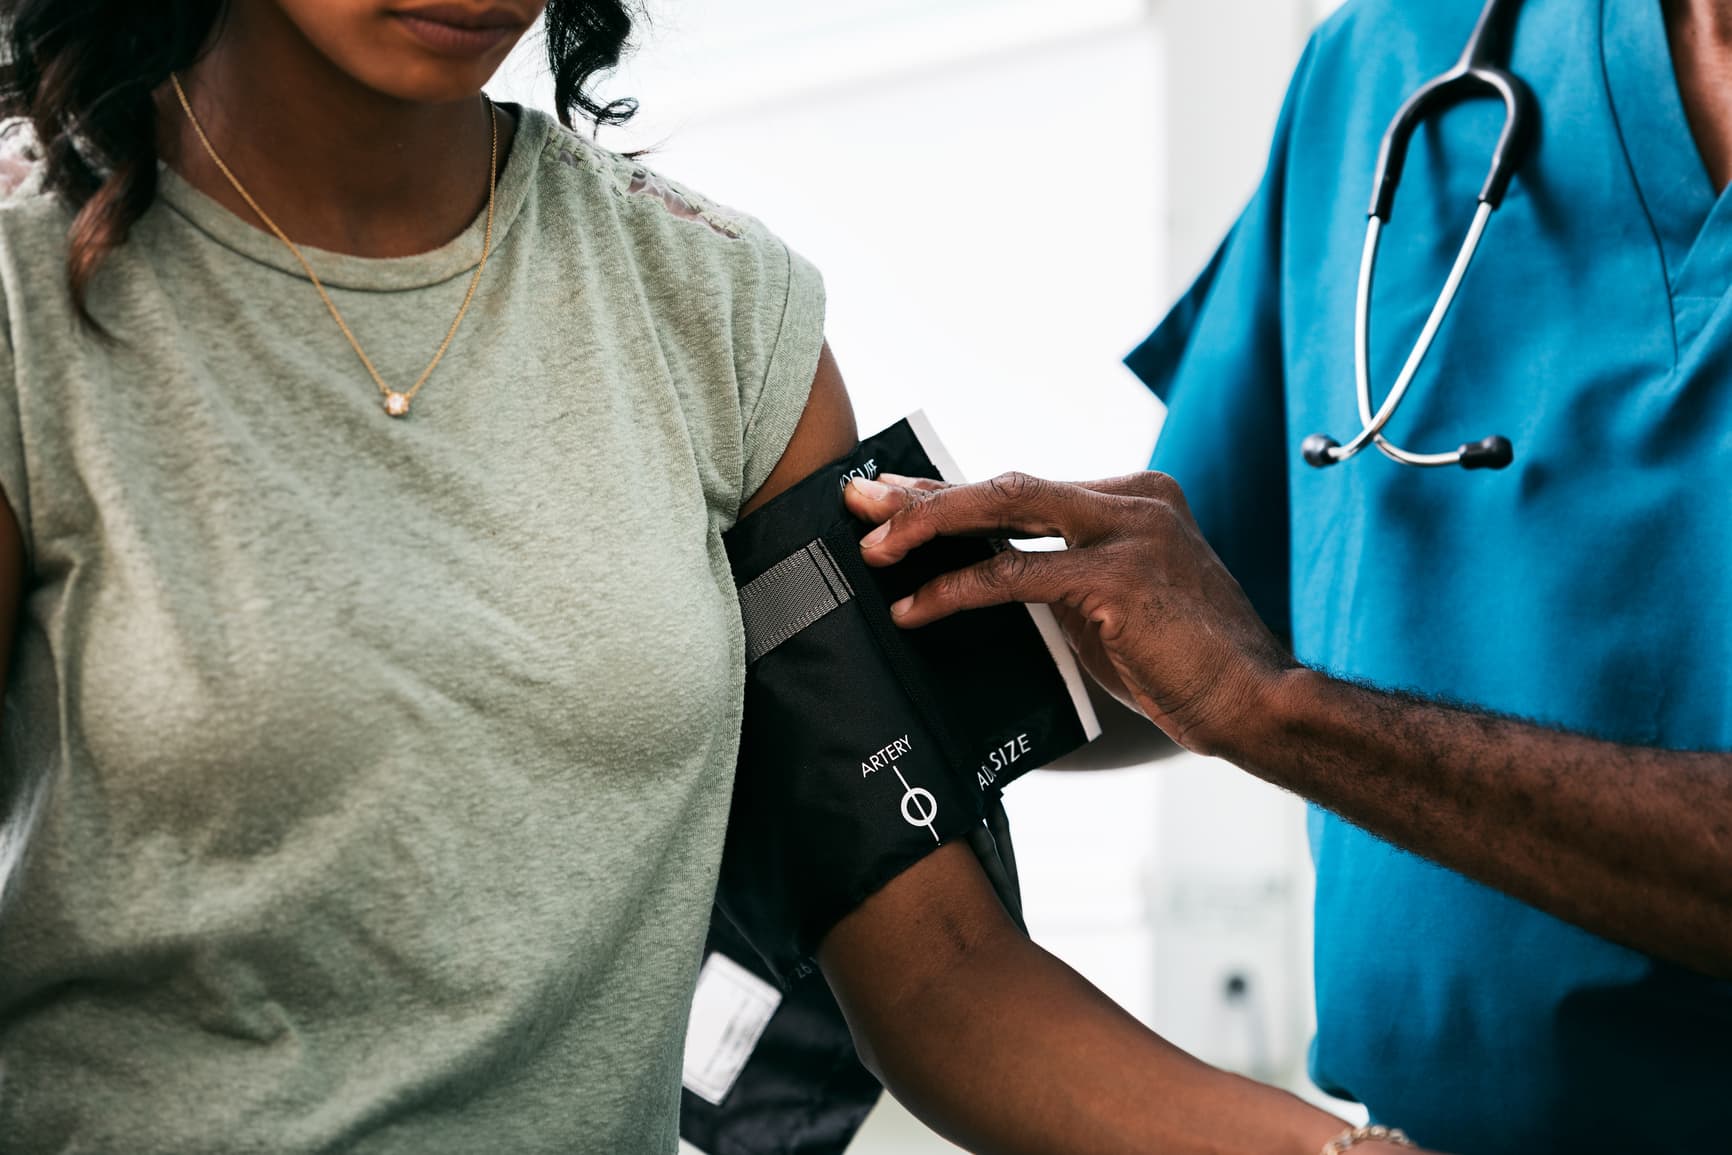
1374 423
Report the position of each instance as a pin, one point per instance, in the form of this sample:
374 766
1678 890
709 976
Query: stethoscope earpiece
1492 453
1321 451
1318 450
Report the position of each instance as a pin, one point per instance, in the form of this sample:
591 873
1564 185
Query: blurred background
1004 197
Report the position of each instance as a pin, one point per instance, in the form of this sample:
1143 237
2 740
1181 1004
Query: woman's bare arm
826 431
1004 1049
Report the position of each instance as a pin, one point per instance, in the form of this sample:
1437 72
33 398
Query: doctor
1509 691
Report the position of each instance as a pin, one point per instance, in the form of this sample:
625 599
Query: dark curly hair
83 73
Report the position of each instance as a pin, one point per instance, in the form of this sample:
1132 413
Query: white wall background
1004 196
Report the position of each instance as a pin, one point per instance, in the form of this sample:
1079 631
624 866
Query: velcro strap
800 590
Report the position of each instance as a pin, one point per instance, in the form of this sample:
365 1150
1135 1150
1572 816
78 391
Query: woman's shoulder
698 262
739 316
662 219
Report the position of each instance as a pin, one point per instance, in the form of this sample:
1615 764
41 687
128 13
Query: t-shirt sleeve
1217 361
740 316
779 335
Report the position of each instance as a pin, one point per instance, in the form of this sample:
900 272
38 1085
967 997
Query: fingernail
901 609
871 490
876 537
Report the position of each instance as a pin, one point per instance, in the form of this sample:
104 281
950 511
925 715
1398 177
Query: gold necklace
396 403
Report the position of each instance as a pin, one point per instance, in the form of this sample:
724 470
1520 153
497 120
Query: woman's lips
457 32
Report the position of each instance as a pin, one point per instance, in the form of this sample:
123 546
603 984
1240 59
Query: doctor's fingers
878 499
1144 484
1148 485
1013 505
923 484
1060 577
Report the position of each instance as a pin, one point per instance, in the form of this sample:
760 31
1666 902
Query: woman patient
375 666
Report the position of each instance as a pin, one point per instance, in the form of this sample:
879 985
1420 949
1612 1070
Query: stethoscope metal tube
1473 77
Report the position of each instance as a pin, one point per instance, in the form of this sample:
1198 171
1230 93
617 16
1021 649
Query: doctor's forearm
1633 844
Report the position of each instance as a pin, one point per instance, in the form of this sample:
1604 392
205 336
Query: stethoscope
1481 73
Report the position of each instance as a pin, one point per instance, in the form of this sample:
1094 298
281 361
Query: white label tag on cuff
730 1012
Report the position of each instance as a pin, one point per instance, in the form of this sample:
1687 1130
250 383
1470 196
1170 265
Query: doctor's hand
1150 610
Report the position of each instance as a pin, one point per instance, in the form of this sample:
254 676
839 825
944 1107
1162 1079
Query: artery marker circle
919 807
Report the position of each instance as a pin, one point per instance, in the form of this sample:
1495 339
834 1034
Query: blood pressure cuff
865 746
864 749
769 1069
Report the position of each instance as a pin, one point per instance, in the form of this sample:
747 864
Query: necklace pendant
397 404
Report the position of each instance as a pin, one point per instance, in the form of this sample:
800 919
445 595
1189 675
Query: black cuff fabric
865 746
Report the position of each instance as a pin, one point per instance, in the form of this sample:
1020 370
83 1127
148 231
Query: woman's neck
337 165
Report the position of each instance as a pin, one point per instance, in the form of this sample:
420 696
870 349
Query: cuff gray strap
797 592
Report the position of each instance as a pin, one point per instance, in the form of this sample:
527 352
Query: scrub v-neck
1692 221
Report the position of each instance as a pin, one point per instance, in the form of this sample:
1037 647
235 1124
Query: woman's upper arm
949 885
826 431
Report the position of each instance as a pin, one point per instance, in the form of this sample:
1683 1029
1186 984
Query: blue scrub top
1587 587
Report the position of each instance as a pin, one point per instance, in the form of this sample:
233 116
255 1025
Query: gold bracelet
1354 1136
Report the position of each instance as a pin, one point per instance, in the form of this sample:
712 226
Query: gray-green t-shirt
389 760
